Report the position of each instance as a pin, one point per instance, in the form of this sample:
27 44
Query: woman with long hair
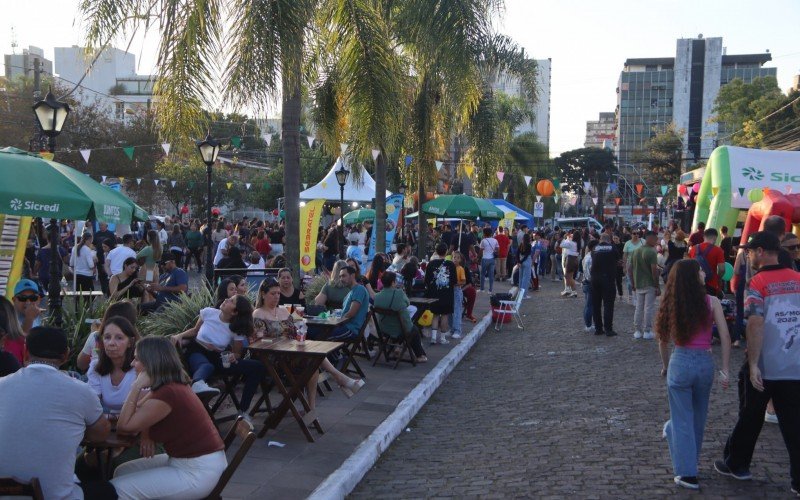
525 253
570 259
176 244
161 401
149 257
290 294
333 292
126 284
685 318
14 339
676 250
275 322
376 269
194 242
91 348
111 374
84 262
225 290
221 331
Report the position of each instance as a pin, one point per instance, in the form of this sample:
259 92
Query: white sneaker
637 335
573 294
200 387
649 335
434 338
565 292
770 418
589 329
457 335
443 339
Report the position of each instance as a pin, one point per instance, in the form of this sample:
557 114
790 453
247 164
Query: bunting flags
139 181
85 153
468 169
500 176
173 183
409 159
229 184
103 177
617 200
527 179
505 196
128 152
714 190
305 185
586 185
310 141
538 198
639 188
741 191
594 199
247 185
555 198
439 165
664 190
122 179
324 184
267 138
166 146
156 181
659 199
375 154
343 147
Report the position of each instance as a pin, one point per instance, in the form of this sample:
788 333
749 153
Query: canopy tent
328 188
414 215
522 215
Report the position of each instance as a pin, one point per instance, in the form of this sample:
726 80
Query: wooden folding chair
351 346
244 430
10 487
387 344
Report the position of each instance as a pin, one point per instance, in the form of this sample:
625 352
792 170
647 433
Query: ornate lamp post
51 115
402 219
209 149
341 178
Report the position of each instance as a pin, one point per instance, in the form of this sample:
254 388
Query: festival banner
13 239
394 203
309 228
508 221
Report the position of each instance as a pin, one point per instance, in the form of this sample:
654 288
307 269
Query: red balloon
215 211
275 212
185 209
682 190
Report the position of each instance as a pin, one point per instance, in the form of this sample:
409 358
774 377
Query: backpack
701 258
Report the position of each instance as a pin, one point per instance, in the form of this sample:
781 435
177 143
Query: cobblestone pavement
553 411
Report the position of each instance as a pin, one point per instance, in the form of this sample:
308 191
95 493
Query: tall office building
541 122
654 92
111 82
20 65
601 132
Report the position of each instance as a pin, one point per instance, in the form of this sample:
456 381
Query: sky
588 42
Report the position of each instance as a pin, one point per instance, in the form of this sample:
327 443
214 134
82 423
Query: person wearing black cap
172 284
772 369
44 416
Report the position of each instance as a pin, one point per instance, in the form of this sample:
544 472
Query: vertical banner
13 239
508 221
393 205
309 228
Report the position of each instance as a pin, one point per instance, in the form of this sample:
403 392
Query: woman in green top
151 255
395 299
333 293
194 242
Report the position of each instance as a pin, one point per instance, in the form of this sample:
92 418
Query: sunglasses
27 298
793 247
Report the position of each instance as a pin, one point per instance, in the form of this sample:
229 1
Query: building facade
112 82
654 92
601 133
22 65
541 121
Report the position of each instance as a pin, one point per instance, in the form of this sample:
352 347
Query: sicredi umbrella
359 215
35 187
462 206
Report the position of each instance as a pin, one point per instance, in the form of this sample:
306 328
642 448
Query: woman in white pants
162 401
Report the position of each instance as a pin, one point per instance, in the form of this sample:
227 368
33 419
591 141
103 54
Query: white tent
328 188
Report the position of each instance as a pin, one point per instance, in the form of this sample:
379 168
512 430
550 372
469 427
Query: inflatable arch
735 175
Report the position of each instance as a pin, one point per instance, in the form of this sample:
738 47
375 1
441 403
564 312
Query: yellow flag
469 169
229 184
309 227
46 155
15 231
714 190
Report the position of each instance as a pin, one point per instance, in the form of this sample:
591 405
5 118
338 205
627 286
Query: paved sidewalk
555 412
296 469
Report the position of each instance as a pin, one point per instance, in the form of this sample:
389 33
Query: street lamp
402 191
341 178
209 149
51 115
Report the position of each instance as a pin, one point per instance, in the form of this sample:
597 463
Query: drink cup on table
226 359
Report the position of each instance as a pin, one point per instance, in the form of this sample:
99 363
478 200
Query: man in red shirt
697 237
714 256
503 243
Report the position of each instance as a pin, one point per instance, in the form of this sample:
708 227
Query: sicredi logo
752 173
111 210
17 204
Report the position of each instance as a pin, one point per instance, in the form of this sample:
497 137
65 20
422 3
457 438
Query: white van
579 222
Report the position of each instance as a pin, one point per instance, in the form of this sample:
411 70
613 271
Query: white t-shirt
112 397
163 237
223 245
489 246
214 331
83 264
569 248
117 256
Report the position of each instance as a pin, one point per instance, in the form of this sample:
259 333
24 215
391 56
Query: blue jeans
525 277
689 379
204 364
542 264
458 309
487 270
587 303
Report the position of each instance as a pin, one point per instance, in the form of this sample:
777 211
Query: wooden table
326 324
278 356
422 304
104 449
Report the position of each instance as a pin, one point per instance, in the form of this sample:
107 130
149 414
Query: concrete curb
344 479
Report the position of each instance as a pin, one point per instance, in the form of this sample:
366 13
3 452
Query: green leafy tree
662 157
593 165
526 156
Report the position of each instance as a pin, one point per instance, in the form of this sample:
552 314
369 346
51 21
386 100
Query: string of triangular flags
174 183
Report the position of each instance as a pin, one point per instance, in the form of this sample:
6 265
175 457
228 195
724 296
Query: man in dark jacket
603 273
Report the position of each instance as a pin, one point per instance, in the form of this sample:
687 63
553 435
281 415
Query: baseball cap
47 342
166 257
26 285
764 240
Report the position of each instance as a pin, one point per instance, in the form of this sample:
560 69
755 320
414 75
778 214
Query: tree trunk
290 127
380 205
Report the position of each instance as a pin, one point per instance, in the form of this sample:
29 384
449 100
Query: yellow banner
508 220
14 232
309 228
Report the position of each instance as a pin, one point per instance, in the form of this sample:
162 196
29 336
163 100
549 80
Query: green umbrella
462 206
33 186
359 215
